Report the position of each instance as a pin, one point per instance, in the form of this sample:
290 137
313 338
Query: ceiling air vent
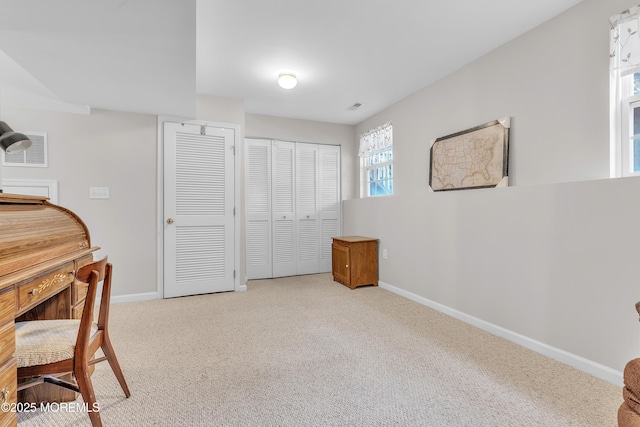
34 156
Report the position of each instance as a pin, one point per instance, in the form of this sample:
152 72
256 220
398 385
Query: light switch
98 192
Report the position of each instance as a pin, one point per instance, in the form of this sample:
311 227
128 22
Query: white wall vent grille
34 156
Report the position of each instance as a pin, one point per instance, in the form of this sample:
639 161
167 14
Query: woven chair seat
46 349
46 341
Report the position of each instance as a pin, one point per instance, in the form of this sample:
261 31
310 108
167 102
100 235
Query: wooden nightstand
354 261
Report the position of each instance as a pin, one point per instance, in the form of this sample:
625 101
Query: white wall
220 110
103 149
553 82
549 262
549 259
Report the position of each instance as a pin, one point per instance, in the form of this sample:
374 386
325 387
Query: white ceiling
153 56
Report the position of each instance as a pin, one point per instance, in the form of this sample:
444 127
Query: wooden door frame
237 139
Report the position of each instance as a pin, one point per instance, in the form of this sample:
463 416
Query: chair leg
88 395
107 349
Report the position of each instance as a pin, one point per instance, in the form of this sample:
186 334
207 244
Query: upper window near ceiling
625 93
376 161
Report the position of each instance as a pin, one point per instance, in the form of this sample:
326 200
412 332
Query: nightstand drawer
34 292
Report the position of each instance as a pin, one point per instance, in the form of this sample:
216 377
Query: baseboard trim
148 296
585 365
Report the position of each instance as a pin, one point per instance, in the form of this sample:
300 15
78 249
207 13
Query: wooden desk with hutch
41 247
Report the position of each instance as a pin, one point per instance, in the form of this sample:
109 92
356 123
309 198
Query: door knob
170 221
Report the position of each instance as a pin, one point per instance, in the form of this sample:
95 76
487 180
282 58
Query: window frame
626 103
367 165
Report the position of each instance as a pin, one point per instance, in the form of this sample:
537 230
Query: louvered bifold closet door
283 218
258 211
199 203
308 254
329 202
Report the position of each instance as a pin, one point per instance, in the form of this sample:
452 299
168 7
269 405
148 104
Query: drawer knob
346 266
4 395
33 291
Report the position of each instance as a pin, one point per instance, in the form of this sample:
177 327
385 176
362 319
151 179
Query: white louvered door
198 209
283 218
307 209
329 202
258 208
293 207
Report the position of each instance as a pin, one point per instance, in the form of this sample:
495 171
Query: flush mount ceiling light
287 80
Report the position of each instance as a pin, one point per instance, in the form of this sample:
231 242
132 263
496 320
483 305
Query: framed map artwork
473 158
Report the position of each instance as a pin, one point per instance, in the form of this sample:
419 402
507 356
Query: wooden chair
46 349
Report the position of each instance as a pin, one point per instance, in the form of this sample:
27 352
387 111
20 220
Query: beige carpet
306 351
